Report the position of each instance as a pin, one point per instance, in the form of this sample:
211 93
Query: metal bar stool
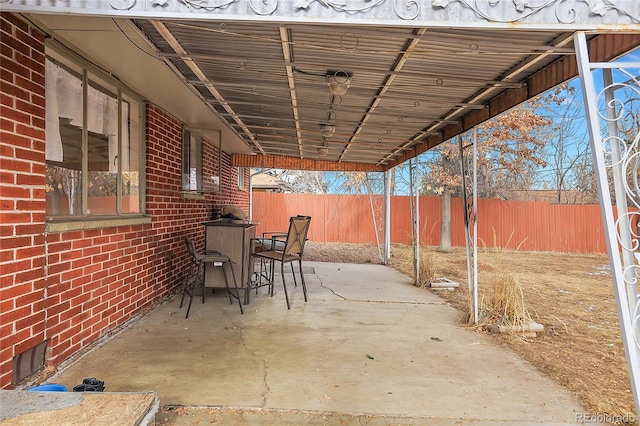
195 274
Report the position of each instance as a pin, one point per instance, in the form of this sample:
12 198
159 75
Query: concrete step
20 407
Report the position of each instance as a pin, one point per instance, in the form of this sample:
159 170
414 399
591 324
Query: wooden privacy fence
531 225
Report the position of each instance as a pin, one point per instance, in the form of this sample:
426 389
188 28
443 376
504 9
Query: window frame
190 154
209 167
71 62
242 180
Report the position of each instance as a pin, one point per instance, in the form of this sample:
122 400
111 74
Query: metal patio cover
412 86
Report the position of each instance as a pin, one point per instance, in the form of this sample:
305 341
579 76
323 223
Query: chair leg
189 287
191 294
203 290
186 283
293 272
201 279
259 279
271 279
235 285
284 284
265 272
262 274
226 282
272 274
188 307
304 286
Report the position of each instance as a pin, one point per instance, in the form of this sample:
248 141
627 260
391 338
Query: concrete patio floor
367 347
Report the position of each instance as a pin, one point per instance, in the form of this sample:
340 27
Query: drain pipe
251 190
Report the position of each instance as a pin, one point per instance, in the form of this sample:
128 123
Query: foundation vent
28 362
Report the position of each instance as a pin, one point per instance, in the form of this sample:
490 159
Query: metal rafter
285 39
402 59
188 61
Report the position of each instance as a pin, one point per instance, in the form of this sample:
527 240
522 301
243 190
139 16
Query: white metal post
417 219
470 215
628 318
387 216
467 233
413 177
475 224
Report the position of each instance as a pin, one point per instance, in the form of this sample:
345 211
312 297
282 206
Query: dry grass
503 303
427 270
570 294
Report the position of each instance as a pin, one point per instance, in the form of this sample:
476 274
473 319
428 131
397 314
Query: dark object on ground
90 385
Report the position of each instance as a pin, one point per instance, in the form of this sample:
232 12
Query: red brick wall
71 288
22 193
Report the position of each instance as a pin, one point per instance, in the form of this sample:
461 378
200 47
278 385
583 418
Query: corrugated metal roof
268 81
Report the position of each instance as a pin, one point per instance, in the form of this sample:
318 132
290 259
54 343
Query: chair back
297 235
191 248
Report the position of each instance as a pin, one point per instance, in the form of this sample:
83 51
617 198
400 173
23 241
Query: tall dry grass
503 303
427 269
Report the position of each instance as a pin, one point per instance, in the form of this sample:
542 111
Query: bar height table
233 239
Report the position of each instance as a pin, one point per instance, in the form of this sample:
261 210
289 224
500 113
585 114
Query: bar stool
195 274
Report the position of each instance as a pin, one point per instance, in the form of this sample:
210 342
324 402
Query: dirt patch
570 294
341 253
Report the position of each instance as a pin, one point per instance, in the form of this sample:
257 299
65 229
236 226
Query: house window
200 162
241 179
93 143
191 161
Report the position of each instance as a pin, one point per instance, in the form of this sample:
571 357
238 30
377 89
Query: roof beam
285 39
188 61
402 59
294 163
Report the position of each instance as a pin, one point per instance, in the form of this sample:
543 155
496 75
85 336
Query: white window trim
242 180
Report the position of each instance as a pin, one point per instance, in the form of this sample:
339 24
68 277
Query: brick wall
22 191
71 288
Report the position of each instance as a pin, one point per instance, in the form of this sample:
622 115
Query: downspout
250 197
251 190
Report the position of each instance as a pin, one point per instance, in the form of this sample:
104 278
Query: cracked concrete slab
367 343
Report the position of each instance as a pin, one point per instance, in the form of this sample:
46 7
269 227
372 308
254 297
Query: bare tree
510 150
306 182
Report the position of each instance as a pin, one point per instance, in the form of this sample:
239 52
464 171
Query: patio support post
387 217
416 216
374 216
474 217
470 216
604 157
415 230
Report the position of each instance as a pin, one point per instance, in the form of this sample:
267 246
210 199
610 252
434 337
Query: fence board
535 226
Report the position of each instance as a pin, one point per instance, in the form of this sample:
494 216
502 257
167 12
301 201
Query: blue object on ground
51 387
